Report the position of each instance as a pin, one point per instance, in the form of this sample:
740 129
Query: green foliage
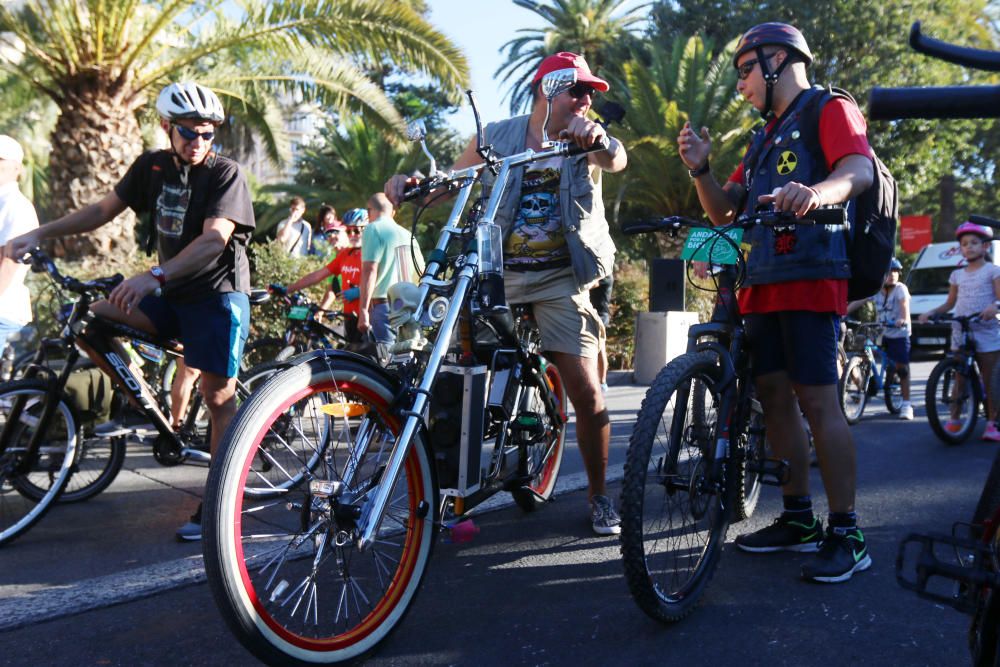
273 265
663 90
629 297
592 28
860 45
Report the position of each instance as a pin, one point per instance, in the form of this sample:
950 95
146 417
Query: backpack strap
155 184
811 113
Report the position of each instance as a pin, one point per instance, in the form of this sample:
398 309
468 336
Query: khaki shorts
566 319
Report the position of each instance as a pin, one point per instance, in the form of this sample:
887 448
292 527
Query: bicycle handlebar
982 59
940 101
983 220
833 215
560 149
41 262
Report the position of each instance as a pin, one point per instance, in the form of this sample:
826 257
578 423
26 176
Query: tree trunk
947 224
95 140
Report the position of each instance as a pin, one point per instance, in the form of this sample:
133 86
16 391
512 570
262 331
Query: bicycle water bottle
489 246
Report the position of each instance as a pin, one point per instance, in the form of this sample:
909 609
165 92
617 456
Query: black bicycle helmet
773 34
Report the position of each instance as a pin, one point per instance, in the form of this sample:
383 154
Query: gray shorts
566 319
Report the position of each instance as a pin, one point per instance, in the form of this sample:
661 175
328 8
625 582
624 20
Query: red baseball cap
332 225
567 60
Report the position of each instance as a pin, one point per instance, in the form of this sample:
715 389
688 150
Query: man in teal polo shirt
387 257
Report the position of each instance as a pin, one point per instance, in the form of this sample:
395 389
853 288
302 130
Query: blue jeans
7 329
380 323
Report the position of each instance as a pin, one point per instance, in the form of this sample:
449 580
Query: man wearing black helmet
796 285
201 218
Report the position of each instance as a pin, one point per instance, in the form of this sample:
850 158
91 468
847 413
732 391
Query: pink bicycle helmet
983 232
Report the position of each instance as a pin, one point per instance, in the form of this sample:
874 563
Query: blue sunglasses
190 135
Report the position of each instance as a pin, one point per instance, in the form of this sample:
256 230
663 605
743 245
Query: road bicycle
970 562
326 572
869 371
697 455
46 454
955 392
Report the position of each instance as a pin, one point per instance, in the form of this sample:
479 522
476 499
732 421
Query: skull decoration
404 298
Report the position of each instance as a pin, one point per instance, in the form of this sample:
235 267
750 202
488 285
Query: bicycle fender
331 355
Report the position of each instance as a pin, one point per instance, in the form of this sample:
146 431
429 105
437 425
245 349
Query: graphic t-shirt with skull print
536 238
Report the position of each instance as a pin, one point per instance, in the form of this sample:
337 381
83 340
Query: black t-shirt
217 188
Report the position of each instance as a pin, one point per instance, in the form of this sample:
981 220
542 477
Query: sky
502 19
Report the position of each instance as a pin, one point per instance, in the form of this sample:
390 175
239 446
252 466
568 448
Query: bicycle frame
463 281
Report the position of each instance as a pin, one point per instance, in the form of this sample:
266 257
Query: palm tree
663 89
350 165
588 27
103 61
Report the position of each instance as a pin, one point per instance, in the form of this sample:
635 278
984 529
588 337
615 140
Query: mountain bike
955 392
696 456
46 454
869 371
973 561
304 330
325 572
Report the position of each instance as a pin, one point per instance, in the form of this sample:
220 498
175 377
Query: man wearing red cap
556 246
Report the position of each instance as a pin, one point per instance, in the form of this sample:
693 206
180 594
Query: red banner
914 232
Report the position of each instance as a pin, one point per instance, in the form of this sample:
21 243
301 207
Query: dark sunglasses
188 134
580 89
744 70
354 232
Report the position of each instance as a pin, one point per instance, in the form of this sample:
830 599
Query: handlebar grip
601 144
934 102
277 289
418 189
835 215
981 59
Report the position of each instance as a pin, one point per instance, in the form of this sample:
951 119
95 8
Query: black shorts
801 342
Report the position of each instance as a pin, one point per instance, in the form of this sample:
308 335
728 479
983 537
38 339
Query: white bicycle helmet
189 100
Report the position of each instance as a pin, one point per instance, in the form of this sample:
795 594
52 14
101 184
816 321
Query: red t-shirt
347 265
842 132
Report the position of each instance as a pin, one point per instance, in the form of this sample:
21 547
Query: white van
928 285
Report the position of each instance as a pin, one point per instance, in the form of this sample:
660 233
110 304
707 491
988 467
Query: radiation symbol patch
787 162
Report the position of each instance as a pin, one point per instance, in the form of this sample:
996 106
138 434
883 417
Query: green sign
298 313
706 245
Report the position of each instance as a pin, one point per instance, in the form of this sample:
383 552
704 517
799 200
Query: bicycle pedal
969 566
528 426
773 472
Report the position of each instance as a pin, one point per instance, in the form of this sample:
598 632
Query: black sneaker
784 535
843 553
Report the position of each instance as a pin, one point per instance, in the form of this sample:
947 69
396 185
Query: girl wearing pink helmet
975 289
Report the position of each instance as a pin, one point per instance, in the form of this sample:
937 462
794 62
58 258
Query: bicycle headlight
437 309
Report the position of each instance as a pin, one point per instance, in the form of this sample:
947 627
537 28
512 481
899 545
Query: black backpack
872 242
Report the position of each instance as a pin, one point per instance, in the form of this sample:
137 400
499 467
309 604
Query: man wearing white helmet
17 216
200 218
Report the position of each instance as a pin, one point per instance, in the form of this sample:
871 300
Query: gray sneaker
191 531
603 516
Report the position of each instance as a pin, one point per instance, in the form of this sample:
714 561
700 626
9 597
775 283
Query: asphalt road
101 583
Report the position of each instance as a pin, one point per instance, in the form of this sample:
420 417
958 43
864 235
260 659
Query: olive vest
804 252
591 250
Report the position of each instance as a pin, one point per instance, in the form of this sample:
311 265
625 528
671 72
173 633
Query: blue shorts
897 349
213 331
801 342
